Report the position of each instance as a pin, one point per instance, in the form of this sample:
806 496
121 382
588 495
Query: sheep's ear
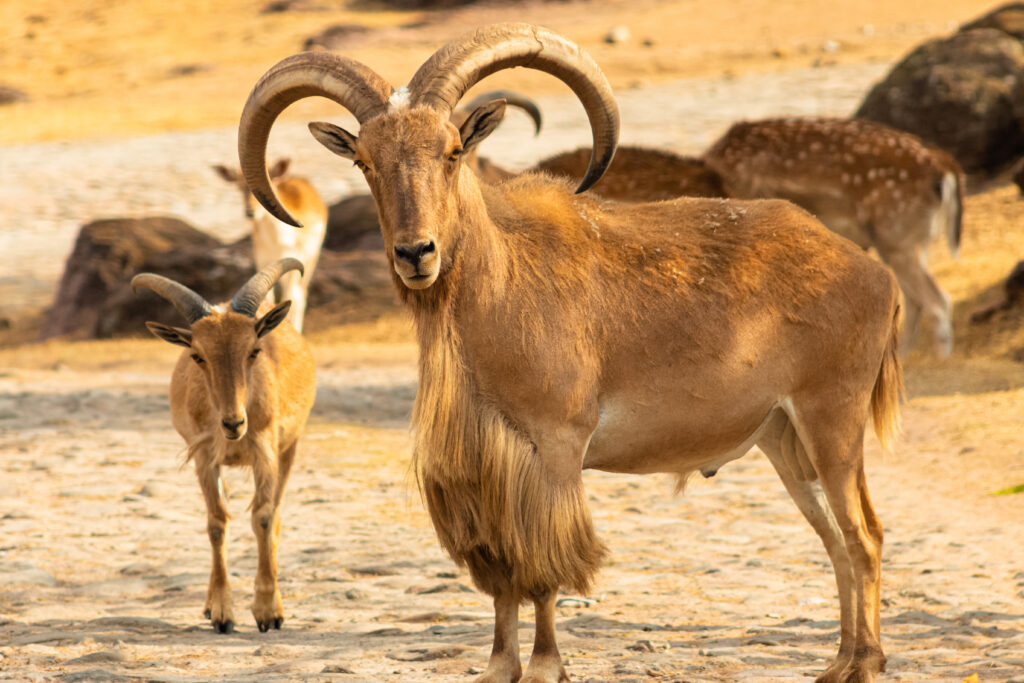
279 168
272 319
175 335
226 173
481 123
336 139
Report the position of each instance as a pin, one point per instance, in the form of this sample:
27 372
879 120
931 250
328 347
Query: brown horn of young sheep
351 84
191 306
511 97
248 299
455 68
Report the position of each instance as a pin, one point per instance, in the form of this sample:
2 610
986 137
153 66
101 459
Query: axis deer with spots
874 185
559 332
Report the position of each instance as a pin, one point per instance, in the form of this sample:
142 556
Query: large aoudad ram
559 332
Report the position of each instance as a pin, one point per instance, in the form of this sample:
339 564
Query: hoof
274 623
224 626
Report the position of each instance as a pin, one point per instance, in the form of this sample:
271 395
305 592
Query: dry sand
103 551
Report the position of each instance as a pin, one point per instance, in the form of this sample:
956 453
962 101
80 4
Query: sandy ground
103 551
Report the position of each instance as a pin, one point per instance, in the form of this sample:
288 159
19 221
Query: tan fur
273 240
639 174
562 332
877 186
274 393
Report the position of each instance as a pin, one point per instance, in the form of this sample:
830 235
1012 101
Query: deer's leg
218 592
923 297
810 499
492 576
266 525
545 663
835 436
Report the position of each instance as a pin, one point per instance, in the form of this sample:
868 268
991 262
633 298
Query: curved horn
511 97
346 81
451 71
188 303
248 299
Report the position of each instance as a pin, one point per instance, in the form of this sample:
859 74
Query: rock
102 656
617 35
965 94
29 577
642 646
445 588
11 95
336 669
352 222
337 37
139 569
428 654
356 594
1007 18
1013 288
95 675
95 299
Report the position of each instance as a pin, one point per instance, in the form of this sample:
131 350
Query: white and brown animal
273 240
560 332
240 396
872 184
640 174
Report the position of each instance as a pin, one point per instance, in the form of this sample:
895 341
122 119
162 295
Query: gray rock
101 656
965 94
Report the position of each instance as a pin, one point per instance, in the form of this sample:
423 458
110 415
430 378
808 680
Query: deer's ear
336 139
174 335
272 319
280 167
226 173
481 123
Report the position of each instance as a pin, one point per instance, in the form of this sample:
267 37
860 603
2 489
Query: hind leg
923 297
834 437
810 500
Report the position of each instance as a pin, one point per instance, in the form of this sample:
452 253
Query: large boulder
352 223
965 94
94 298
1008 18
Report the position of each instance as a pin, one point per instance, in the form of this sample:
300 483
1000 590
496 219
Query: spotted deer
874 185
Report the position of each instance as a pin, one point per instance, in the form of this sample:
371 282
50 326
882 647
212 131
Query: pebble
618 34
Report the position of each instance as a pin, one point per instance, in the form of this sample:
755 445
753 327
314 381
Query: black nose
232 426
415 253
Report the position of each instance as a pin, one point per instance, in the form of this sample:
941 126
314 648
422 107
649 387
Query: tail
888 391
951 193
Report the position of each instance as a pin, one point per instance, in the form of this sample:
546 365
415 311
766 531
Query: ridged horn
351 84
248 299
191 306
455 68
511 97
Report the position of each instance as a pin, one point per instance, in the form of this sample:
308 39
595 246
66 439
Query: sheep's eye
198 359
361 166
255 352
456 153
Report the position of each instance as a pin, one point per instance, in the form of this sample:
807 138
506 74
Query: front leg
267 607
545 662
218 593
